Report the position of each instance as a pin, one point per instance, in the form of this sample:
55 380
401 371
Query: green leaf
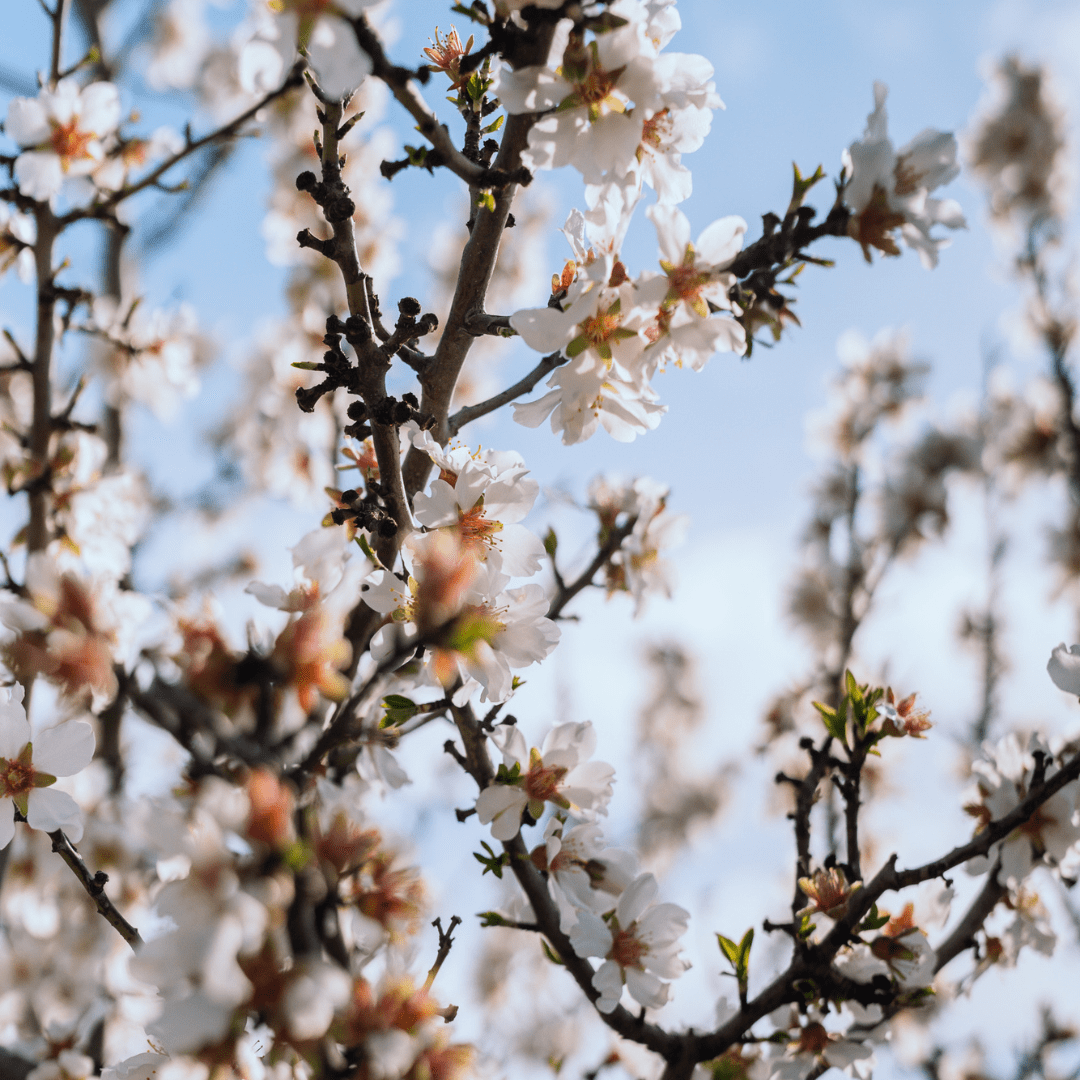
476 14
398 710
873 921
729 949
852 686
365 547
494 125
491 918
486 200
551 543
743 966
306 365
835 724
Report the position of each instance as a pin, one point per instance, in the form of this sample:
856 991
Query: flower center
16 777
626 950
1033 827
475 529
68 141
542 781
655 128
813 1040
872 227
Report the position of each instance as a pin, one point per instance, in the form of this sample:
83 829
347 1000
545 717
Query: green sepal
508 776
550 953
873 921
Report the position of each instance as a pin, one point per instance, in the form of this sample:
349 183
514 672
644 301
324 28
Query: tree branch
566 592
963 935
400 82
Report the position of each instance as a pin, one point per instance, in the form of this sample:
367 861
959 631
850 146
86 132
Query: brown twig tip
446 942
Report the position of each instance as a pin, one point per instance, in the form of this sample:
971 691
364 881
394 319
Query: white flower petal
48 810
65 749
7 822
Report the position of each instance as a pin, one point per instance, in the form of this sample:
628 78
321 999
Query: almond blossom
904 954
310 650
812 1047
154 354
889 190
601 331
558 772
639 945
17 234
61 133
581 872
458 608
29 768
1004 778
697 286
1064 668
61 631
482 498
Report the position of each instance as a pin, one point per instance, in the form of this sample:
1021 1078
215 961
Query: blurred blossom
888 190
1017 146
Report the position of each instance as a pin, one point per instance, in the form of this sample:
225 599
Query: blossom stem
567 592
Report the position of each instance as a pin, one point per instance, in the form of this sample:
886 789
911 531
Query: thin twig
446 942
566 593
94 884
523 386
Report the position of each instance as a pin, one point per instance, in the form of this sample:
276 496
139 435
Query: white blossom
61 133
639 946
888 189
29 768
559 773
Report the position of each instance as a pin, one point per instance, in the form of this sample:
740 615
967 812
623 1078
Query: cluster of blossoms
607 908
274 912
457 600
622 112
